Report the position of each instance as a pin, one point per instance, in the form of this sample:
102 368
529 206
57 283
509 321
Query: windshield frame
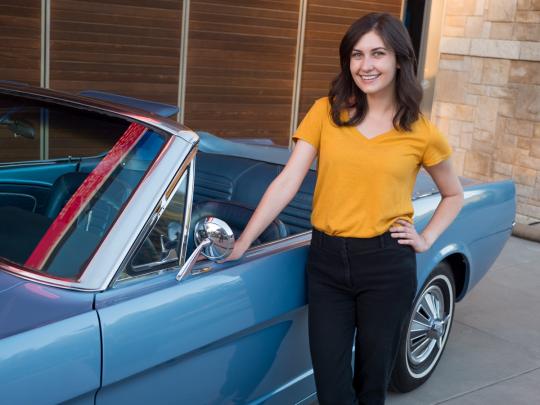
180 142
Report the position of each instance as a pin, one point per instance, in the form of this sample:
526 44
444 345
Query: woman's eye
378 53
356 55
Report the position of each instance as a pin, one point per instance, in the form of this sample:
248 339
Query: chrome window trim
189 166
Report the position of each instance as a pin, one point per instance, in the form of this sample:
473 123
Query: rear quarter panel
479 232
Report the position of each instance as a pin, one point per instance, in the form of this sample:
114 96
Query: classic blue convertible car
110 291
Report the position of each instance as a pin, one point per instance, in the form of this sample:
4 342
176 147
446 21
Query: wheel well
460 270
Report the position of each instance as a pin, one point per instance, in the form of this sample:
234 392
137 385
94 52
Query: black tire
414 367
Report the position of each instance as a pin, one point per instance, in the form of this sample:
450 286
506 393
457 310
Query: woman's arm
452 200
276 197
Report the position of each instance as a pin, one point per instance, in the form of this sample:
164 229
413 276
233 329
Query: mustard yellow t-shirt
365 185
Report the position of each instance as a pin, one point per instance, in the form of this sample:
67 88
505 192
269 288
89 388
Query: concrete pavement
493 352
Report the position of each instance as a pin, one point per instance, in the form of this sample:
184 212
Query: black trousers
364 286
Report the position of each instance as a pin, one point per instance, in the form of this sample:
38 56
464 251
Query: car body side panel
235 333
51 364
26 305
479 232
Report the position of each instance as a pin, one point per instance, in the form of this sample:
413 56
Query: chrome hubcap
428 325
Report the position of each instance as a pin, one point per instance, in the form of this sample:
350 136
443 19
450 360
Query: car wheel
426 331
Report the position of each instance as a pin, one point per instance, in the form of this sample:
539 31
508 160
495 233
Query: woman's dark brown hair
345 94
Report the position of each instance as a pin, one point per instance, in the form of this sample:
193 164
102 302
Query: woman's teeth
369 77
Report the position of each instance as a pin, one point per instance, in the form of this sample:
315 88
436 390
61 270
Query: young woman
371 140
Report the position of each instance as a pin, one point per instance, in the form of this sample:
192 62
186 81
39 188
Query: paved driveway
493 352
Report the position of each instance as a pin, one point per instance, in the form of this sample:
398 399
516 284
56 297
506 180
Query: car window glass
82 197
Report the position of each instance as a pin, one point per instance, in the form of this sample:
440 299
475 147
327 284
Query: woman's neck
380 105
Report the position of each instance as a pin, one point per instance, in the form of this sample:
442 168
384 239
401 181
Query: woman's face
373 65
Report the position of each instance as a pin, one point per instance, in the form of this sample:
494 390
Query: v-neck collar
373 138
362 136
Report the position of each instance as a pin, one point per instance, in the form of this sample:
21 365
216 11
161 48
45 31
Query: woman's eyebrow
379 48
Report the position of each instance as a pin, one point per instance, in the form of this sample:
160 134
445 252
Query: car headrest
61 191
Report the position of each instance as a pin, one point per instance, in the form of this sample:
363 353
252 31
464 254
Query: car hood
26 305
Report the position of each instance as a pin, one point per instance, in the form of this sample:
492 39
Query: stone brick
459 46
464 112
471 99
478 162
502 168
455 21
477 89
455 62
495 48
519 127
451 86
527 102
460 7
479 7
501 10
451 31
535 149
505 155
522 159
530 210
484 147
495 71
506 141
458 160
529 51
537 130
523 143
507 108
524 5
525 192
486 117
483 136
524 72
501 30
528 16
535 5
454 128
526 32
475 74
474 26
501 92
524 176
465 140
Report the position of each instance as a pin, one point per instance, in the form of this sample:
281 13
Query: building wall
487 95
242 66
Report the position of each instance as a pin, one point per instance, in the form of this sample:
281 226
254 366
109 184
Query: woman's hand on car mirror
238 251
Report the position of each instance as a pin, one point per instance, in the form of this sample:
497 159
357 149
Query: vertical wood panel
20 33
129 47
240 70
327 22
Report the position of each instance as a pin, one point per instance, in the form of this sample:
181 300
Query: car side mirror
214 239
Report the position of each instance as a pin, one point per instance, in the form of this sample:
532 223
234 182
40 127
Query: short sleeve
437 148
310 128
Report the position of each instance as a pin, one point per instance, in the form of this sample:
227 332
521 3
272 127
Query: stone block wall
487 94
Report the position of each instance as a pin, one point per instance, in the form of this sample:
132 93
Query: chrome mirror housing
214 239
219 233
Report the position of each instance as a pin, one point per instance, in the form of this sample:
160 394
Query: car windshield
56 207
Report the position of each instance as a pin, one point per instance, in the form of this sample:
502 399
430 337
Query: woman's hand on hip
406 234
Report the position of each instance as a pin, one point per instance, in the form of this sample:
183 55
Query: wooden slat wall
20 39
240 72
129 47
20 60
326 24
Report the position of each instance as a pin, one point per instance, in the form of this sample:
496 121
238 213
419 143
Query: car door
230 333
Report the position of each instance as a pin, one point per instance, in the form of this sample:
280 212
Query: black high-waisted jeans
362 285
